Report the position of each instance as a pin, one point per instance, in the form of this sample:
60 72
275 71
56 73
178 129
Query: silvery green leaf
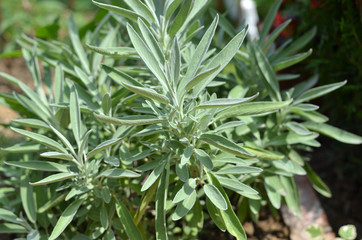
102 146
134 86
57 155
203 76
161 197
77 45
285 77
215 196
64 140
298 43
236 185
87 81
197 58
185 191
121 11
153 177
184 207
239 170
182 171
291 194
118 173
252 108
130 120
180 18
8 216
75 117
228 125
298 128
305 107
112 161
115 52
41 139
311 115
27 199
145 53
225 102
215 215
106 103
54 178
225 144
55 200
273 35
333 132
318 91
24 147
40 166
290 61
142 9
12 228
30 122
229 217
274 189
221 59
267 73
103 216
83 144
263 154
170 8
65 219
291 138
185 157
204 158
151 42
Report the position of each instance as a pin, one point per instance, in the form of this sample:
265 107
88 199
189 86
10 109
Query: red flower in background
315 3
278 20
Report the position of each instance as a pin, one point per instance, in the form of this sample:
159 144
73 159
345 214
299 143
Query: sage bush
155 123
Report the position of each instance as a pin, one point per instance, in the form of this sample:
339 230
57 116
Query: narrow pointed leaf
57 155
121 11
333 132
74 37
127 221
65 219
27 199
318 91
215 196
225 102
222 59
33 123
161 197
184 207
239 170
130 120
8 216
40 166
75 117
317 182
102 146
236 186
54 178
115 52
263 154
200 78
153 177
118 173
185 191
252 108
41 139
229 217
226 145
180 18
145 53
8 228
290 61
298 128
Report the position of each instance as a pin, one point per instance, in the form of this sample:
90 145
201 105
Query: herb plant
132 142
